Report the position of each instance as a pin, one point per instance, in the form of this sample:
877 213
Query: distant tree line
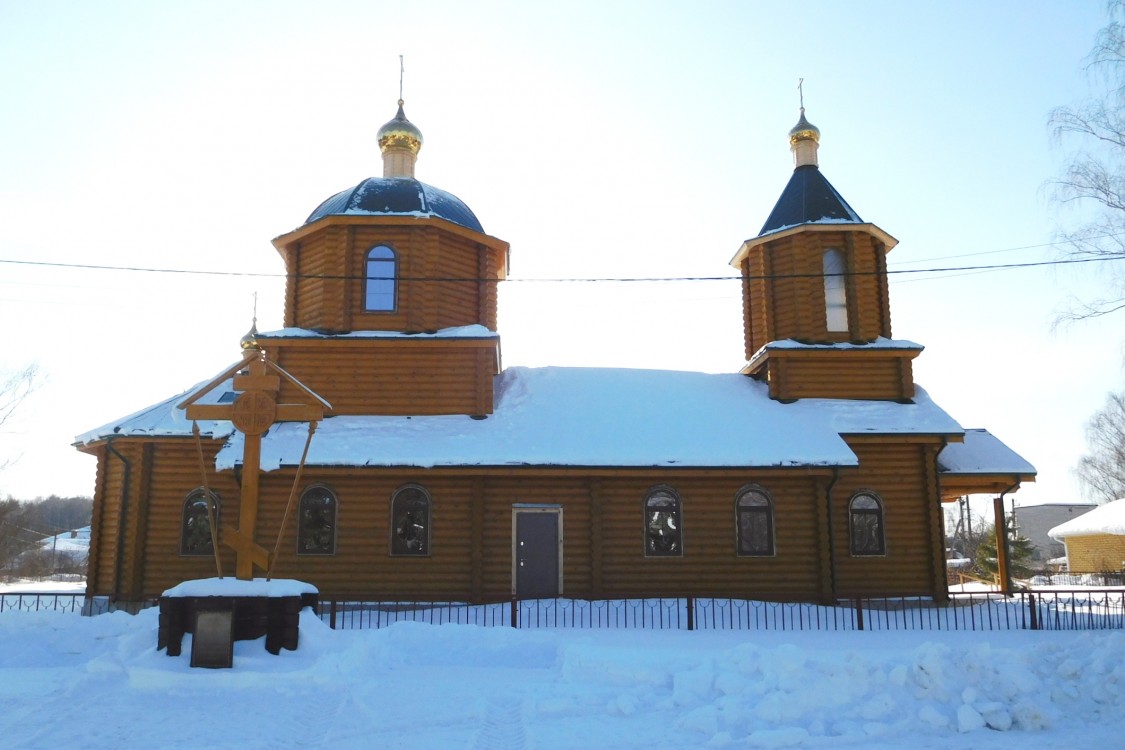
25 524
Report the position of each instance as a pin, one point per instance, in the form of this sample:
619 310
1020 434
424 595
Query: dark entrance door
536 554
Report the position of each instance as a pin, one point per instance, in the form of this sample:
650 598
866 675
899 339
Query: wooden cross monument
252 412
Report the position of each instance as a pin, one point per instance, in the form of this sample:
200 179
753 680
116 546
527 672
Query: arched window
835 291
381 278
753 510
865 516
410 521
316 522
663 532
195 526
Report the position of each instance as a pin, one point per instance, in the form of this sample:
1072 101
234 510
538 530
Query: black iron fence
1076 609
31 601
1047 610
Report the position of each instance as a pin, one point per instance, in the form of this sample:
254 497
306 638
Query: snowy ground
69 681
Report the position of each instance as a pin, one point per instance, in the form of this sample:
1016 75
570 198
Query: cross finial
801 92
255 316
401 72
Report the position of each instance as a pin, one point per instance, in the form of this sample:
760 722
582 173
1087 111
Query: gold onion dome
804 131
400 133
249 342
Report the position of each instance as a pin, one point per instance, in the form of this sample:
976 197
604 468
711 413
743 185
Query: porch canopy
982 464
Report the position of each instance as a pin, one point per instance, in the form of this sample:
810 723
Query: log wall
783 289
446 279
603 529
392 376
840 374
903 474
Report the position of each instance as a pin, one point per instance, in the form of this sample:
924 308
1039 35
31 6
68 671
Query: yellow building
1095 541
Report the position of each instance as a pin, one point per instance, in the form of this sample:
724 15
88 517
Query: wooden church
375 448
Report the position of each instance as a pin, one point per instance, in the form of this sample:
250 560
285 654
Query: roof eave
836 226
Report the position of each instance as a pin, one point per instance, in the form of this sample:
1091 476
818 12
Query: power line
560 280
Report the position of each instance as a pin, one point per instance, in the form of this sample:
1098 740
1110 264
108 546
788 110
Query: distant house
1036 521
1095 541
815 469
75 543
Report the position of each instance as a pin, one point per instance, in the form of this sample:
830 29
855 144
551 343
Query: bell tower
816 308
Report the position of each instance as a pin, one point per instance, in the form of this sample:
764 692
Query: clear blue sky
599 139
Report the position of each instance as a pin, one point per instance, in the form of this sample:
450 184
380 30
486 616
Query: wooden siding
175 474
447 279
392 376
903 475
886 375
1100 553
783 289
603 527
96 557
471 533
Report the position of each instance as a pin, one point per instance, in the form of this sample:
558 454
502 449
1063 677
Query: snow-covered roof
558 416
982 453
459 332
76 541
1104 519
879 343
164 419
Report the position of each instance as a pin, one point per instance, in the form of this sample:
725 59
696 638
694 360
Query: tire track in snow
502 727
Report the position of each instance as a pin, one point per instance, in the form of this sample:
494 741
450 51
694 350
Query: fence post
691 613
332 615
1032 610
515 613
859 613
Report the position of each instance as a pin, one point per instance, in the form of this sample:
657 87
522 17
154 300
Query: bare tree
1102 469
14 388
1095 174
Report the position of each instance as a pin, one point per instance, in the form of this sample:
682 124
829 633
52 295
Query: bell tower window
382 268
835 291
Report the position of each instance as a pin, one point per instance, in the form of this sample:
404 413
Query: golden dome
804 131
400 133
249 342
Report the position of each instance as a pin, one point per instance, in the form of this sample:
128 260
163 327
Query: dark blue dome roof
397 196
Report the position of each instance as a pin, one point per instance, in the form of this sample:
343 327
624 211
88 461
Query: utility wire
568 280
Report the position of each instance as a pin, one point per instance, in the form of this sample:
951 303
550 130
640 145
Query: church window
410 521
835 291
195 527
382 276
865 514
662 529
316 524
754 519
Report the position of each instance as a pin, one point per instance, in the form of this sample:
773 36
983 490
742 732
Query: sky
601 140
99 682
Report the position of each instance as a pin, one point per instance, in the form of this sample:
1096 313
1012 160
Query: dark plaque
212 642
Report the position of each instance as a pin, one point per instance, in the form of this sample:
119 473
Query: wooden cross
253 412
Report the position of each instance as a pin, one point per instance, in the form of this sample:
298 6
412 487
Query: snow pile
423 686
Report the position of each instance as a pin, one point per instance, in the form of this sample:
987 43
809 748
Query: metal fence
1077 609
1048 610
30 601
